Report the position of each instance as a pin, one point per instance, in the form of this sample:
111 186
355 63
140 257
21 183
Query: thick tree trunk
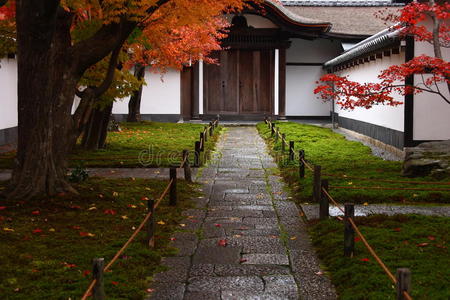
134 106
94 135
44 108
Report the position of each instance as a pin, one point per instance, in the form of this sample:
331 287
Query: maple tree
51 64
434 70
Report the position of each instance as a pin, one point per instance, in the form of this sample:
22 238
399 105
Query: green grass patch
161 145
408 241
47 245
340 157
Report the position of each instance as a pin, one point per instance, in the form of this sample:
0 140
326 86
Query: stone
217 255
265 259
431 158
231 283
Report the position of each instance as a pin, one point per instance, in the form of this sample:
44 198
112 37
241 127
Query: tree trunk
95 132
134 106
44 108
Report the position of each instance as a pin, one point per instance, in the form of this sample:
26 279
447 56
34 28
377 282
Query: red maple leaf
36 212
37 230
364 259
109 212
222 243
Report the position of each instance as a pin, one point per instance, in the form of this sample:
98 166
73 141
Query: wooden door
242 83
255 81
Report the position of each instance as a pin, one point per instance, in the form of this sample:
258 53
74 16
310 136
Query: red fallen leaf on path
70 266
172 239
222 243
37 230
150 290
364 259
36 212
76 227
83 234
397 229
75 207
114 282
144 199
218 225
2 207
109 212
193 220
422 245
86 273
441 246
431 238
243 260
357 239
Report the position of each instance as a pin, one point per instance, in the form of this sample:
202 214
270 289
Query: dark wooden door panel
246 87
231 80
266 81
212 85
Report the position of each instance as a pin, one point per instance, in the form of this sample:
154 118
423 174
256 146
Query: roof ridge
340 3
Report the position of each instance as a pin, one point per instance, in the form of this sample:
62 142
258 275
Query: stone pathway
246 239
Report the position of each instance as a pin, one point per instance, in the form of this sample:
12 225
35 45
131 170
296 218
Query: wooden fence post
403 282
173 187
291 150
202 141
272 133
197 154
276 135
205 133
269 124
301 155
349 232
283 140
151 224
187 166
324 212
98 291
317 184
211 129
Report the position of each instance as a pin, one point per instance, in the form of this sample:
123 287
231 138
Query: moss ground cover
162 144
341 160
409 241
47 245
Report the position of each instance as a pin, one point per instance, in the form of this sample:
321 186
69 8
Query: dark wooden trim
8 135
186 86
386 135
282 83
303 64
327 118
409 99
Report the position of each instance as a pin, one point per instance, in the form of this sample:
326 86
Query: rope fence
321 195
96 287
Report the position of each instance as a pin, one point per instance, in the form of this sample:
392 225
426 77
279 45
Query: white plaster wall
300 98
382 115
301 80
315 51
431 112
8 95
158 96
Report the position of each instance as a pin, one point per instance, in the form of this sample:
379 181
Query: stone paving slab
246 232
312 210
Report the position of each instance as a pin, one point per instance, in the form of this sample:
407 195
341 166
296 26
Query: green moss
396 240
161 145
340 158
51 264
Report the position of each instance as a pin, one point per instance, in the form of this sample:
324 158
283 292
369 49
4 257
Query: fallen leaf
161 222
76 227
365 204
218 225
8 229
350 183
441 246
237 235
92 208
183 225
83 234
150 290
70 266
114 282
319 273
115 194
293 238
52 230
172 239
242 260
132 178
422 245
131 206
75 207
364 259
144 199
101 196
37 230
109 212
398 229
222 243
2 207
86 273
431 238
36 212
357 239
124 217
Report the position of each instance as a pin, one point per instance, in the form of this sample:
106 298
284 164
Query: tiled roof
340 3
